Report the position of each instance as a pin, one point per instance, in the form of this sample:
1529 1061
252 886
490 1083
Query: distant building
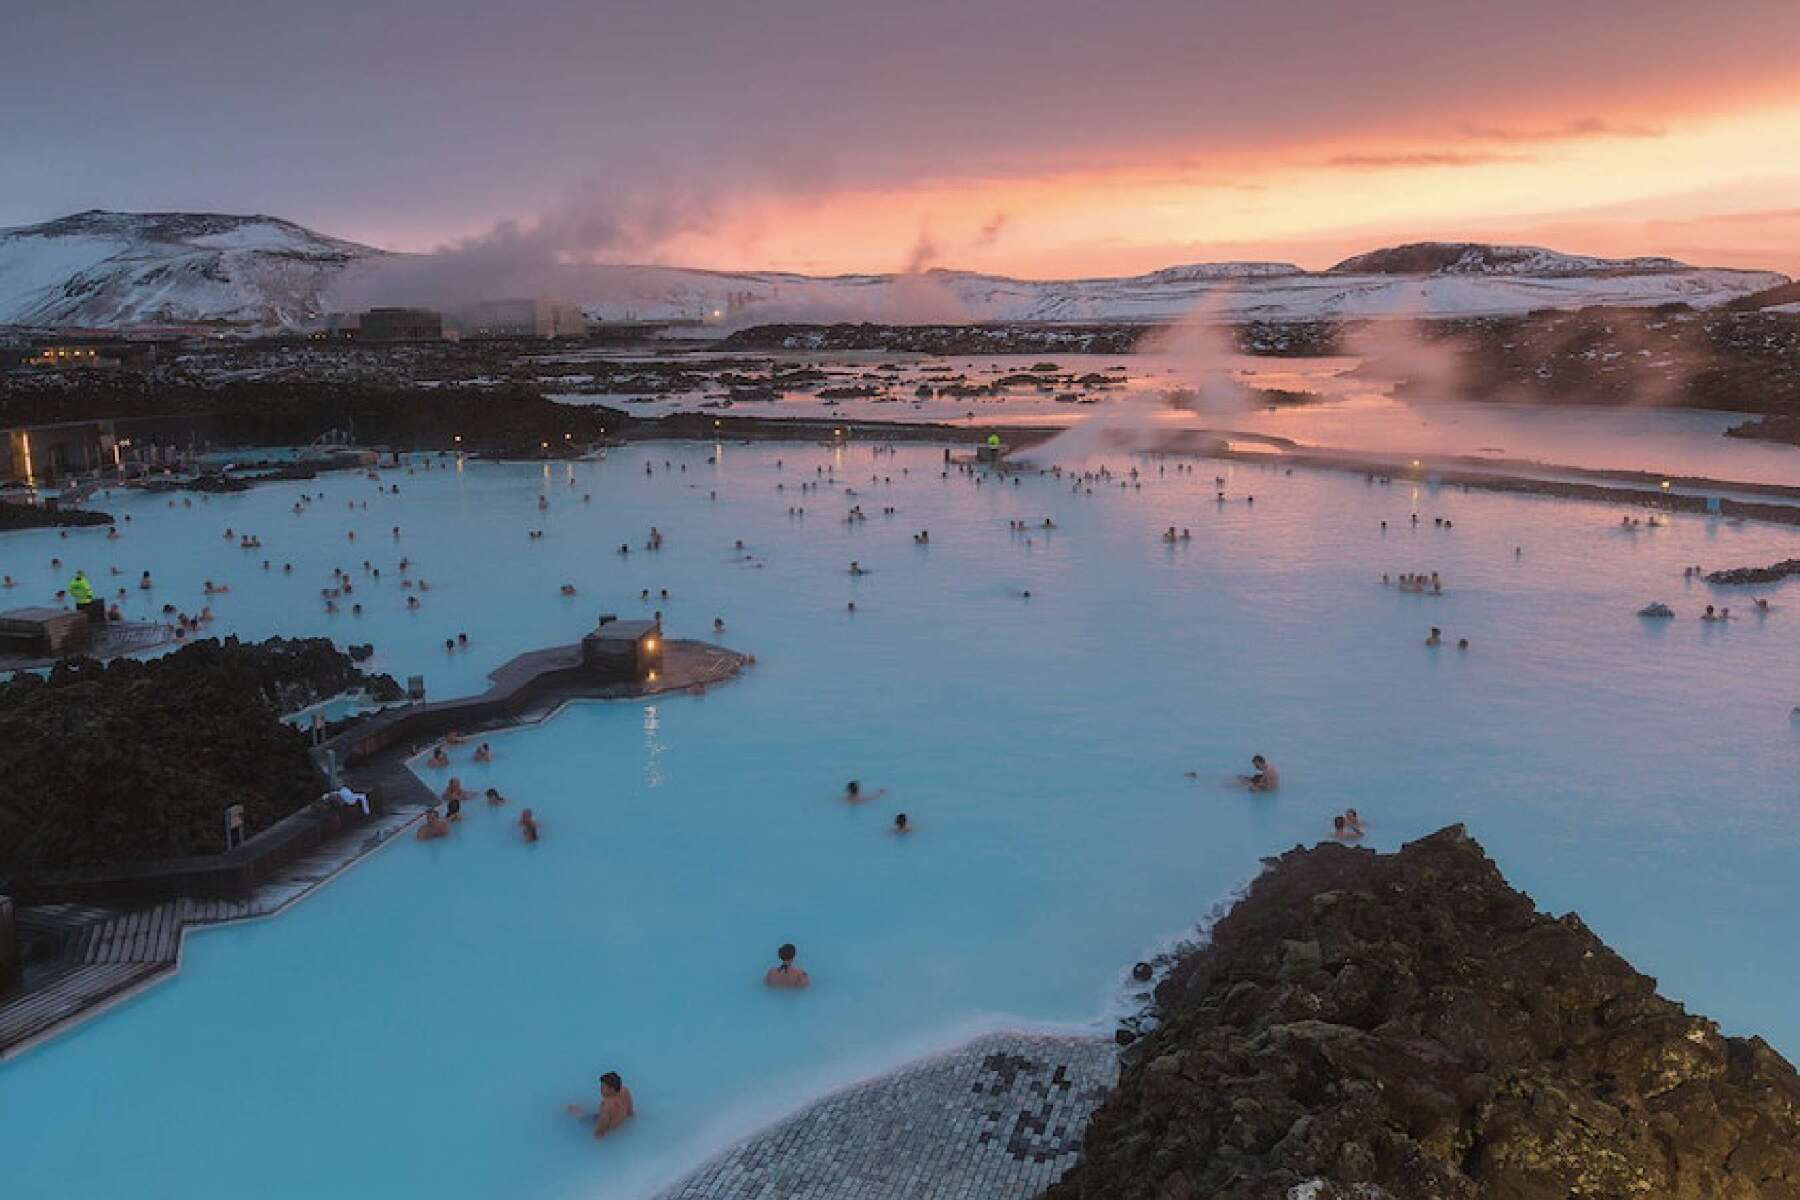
400 325
48 452
534 318
64 355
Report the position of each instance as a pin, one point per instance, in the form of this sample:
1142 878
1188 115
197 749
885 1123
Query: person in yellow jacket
82 593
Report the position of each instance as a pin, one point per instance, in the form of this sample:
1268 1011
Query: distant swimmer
454 795
528 826
1436 638
901 824
434 826
853 793
785 974
568 589
1342 830
1266 778
616 1106
438 758
484 753
1353 821
857 568
494 798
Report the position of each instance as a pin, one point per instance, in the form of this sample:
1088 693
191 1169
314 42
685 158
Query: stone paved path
998 1119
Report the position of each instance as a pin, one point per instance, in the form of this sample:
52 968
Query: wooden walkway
88 959
116 639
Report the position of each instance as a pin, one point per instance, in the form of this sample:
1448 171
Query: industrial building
533 318
400 325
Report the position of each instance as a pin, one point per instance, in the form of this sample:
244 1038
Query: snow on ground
116 269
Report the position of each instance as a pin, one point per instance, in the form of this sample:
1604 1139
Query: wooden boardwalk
115 639
88 959
83 960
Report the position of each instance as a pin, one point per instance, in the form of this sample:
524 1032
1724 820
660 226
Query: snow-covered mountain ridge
118 270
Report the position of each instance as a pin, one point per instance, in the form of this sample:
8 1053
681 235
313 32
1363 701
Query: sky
1039 138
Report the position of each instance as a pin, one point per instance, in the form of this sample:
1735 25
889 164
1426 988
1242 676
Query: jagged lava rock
1408 1026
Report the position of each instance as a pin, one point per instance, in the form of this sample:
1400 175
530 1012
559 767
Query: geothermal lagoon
423 1020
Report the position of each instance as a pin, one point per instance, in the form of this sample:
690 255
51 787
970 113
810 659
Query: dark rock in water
1409 1027
40 516
1771 574
1124 1036
1656 609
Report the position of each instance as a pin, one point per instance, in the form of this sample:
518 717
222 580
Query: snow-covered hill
121 269
117 269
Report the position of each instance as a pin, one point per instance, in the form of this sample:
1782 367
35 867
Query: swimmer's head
610 1083
1258 761
786 953
899 820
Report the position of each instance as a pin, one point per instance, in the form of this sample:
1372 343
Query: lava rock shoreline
1409 1027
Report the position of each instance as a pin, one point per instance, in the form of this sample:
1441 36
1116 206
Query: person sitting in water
1340 829
1709 614
568 589
853 793
454 795
785 974
856 568
494 798
438 758
1265 779
901 824
1436 638
528 826
483 753
1353 821
454 738
615 1109
434 826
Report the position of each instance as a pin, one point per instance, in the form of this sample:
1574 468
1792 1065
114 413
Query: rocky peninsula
1407 1026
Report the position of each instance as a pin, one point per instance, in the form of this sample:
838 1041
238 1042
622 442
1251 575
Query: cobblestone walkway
999 1119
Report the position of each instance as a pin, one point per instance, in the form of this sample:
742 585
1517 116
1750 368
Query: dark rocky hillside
1408 1027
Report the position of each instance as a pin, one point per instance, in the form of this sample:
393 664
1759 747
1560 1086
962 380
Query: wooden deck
101 957
115 639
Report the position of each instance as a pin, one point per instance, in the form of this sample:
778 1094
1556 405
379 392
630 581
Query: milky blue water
418 1025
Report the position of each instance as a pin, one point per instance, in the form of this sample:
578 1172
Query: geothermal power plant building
520 319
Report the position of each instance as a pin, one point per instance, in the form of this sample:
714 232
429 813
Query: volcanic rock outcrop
1407 1026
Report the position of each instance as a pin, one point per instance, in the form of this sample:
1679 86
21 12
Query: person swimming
853 793
484 753
528 826
1353 821
616 1104
901 825
438 758
454 795
434 826
1436 638
785 974
1342 830
1266 778
494 798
